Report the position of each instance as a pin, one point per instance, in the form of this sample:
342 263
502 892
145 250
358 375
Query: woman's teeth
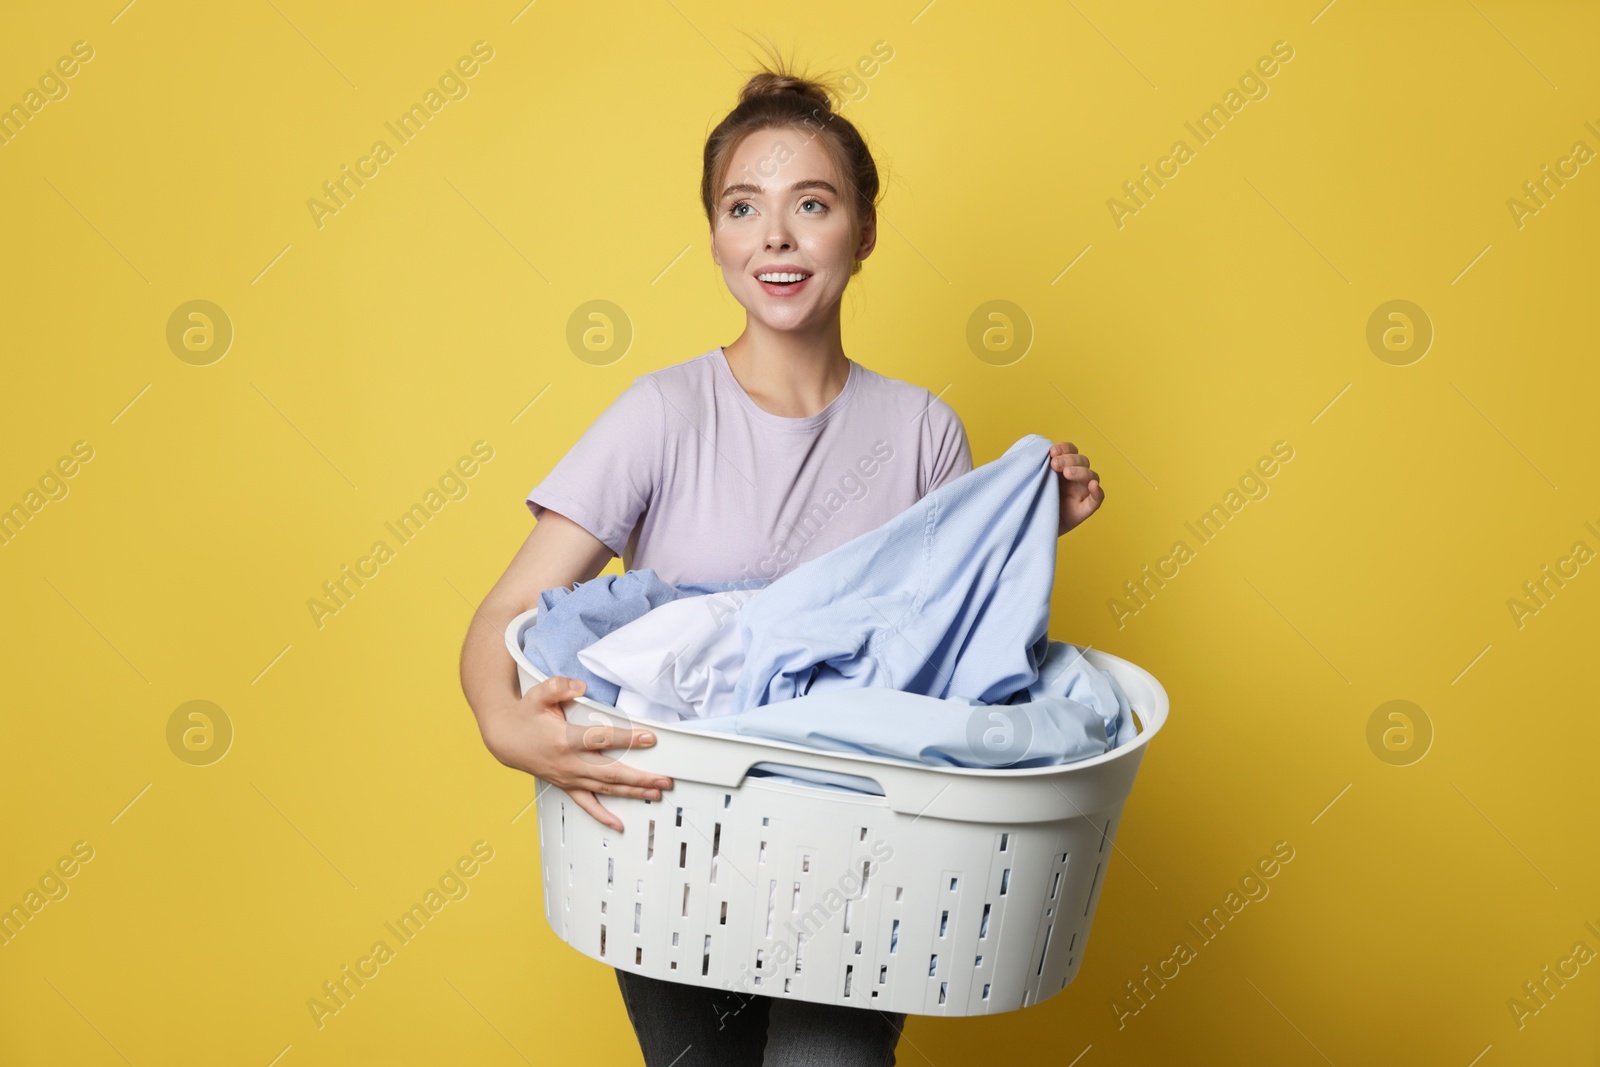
782 279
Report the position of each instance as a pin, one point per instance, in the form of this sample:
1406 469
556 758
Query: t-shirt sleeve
946 445
609 476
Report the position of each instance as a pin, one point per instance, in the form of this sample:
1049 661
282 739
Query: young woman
742 462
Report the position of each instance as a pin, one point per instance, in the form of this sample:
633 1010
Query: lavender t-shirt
684 473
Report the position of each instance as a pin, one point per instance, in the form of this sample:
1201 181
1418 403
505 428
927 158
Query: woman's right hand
533 735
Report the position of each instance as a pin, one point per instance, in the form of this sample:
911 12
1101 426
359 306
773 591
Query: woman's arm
557 552
531 732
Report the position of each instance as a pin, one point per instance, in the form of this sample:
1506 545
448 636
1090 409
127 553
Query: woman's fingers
626 781
587 745
1083 474
604 735
586 800
587 793
620 789
558 688
595 735
596 747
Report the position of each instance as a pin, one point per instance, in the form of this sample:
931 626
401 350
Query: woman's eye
734 210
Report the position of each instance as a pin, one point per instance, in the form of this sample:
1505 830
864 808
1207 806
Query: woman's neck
789 376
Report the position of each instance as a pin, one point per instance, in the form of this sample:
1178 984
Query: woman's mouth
779 283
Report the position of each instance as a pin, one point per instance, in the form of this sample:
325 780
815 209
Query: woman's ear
869 236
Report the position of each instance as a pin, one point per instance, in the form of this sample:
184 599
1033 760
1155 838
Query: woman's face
782 205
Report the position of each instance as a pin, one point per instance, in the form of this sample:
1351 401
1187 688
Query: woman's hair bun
767 82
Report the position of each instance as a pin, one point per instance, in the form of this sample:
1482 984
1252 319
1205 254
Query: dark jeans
682 1025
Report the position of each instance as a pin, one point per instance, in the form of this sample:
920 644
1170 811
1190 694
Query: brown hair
776 97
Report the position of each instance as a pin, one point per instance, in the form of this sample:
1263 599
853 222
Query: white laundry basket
960 891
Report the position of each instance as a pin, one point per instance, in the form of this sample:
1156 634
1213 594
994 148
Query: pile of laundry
924 640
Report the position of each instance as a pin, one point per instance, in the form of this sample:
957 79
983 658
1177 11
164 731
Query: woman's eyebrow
807 183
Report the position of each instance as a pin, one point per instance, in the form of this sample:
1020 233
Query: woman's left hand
1080 487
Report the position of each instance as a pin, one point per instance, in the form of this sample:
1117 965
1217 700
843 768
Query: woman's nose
778 238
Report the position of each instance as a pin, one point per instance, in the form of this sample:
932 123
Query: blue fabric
942 732
1065 673
573 617
950 598
831 780
1074 711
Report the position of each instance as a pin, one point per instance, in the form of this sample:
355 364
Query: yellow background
370 353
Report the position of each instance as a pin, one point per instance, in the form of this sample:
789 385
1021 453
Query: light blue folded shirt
1066 673
949 598
1072 711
